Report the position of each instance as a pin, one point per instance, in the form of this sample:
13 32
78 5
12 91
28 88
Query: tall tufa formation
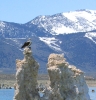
66 81
26 77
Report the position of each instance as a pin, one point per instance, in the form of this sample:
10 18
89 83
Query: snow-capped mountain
52 43
14 30
65 23
71 33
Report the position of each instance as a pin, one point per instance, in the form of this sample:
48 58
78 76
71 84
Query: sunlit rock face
26 77
66 81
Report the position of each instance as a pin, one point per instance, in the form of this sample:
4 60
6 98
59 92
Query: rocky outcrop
26 77
66 81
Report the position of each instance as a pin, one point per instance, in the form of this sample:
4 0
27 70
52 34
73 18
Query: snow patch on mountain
62 29
2 24
52 42
91 36
89 15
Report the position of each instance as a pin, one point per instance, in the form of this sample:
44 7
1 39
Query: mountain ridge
70 22
52 34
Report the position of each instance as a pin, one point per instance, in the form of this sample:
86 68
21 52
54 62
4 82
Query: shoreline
10 83
9 80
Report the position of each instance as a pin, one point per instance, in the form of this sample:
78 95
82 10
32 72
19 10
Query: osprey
27 44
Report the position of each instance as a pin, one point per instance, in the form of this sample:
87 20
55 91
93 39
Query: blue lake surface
8 94
92 94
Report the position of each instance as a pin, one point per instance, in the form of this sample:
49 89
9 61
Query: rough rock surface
66 81
26 77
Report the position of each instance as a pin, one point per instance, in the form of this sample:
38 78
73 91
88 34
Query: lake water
92 94
7 94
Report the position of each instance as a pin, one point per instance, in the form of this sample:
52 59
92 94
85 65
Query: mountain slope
72 33
64 23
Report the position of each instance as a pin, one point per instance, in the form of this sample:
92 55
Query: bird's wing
25 44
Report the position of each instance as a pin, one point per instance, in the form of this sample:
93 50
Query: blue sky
22 11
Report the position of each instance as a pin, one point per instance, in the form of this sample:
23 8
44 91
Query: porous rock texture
66 81
26 77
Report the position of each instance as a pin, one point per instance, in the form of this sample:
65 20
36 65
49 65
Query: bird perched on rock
27 44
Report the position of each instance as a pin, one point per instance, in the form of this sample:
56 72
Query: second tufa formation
66 81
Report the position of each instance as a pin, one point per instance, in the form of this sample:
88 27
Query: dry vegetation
9 79
91 83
